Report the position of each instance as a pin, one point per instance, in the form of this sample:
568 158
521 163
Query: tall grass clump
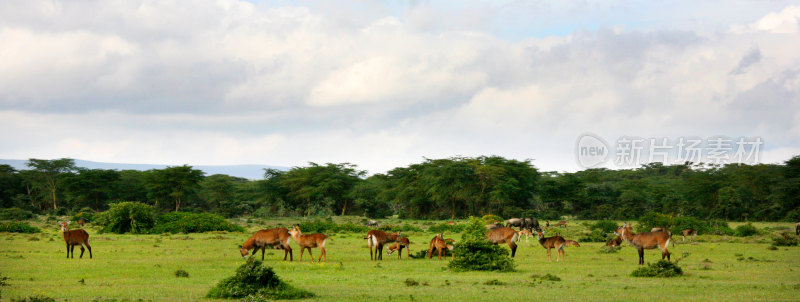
254 281
18 227
475 253
661 269
745 230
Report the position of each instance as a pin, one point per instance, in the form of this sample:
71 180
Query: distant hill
244 171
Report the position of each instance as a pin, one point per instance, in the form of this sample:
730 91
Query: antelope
493 226
504 235
657 230
81 222
614 242
556 242
73 238
562 223
451 223
547 223
693 232
526 233
399 245
649 240
524 223
378 239
439 243
309 241
372 223
277 238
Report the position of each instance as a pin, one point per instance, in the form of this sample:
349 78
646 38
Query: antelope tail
572 243
515 238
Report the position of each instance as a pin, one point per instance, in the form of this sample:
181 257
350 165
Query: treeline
433 189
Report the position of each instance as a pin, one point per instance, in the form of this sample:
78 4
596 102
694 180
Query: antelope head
64 225
244 252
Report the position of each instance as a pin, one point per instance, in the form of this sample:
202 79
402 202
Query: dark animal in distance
377 239
73 238
309 241
523 223
649 240
504 235
277 238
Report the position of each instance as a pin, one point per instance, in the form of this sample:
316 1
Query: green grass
143 267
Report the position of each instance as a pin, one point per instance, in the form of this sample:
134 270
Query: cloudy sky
383 84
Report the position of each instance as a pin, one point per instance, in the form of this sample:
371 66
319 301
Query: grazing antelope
614 242
439 243
556 242
400 245
378 239
504 235
523 223
277 238
562 223
649 240
693 232
73 238
309 241
526 233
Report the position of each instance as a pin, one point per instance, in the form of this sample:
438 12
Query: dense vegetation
433 189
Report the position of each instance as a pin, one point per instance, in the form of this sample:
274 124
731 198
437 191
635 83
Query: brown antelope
614 242
73 238
309 241
277 238
402 243
527 233
649 240
562 223
378 239
504 235
556 242
451 223
81 222
439 243
689 232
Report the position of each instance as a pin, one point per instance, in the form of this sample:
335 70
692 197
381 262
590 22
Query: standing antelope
439 243
400 245
81 222
692 232
527 233
649 240
556 242
73 238
562 223
309 241
277 238
504 235
377 239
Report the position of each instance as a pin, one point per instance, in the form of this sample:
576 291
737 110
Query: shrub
446 228
546 277
253 280
182 222
662 269
475 253
15 214
653 220
746 230
785 239
127 217
85 214
181 274
492 219
719 227
18 227
604 226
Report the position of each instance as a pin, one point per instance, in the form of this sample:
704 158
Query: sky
384 84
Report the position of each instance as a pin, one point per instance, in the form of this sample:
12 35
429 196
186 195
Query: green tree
91 188
49 174
173 183
321 186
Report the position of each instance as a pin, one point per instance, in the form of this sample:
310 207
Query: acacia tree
92 188
173 183
317 185
48 174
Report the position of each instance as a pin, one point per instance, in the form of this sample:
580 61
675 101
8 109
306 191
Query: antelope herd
278 238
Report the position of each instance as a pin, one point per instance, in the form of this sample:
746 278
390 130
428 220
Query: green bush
596 235
678 224
475 253
653 220
18 227
492 219
683 223
446 228
86 214
255 281
785 239
662 268
328 226
400 228
719 227
605 226
15 214
183 222
745 230
127 217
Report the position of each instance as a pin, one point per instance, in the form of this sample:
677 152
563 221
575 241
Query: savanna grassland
131 267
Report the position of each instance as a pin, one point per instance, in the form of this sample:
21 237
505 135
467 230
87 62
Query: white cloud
786 21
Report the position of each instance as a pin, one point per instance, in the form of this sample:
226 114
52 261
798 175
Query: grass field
131 267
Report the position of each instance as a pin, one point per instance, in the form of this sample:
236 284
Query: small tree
475 253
